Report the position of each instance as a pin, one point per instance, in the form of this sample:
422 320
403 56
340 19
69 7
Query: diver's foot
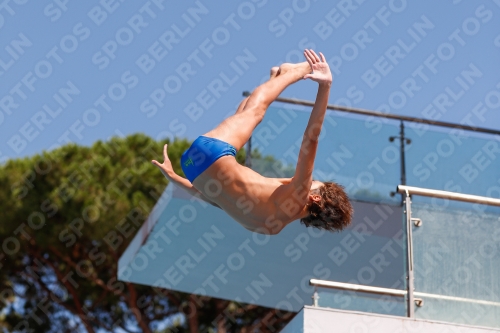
275 71
302 68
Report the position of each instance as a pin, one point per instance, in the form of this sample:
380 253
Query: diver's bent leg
237 129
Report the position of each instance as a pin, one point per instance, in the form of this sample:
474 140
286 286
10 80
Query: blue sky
170 68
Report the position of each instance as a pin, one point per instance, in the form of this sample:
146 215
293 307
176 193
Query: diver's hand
320 69
165 167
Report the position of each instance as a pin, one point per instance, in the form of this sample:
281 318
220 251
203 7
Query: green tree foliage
67 216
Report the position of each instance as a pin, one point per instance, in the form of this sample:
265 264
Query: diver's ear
314 197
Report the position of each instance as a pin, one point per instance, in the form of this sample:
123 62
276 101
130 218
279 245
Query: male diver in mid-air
214 175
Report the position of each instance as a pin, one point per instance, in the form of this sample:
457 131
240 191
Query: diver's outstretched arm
305 164
169 173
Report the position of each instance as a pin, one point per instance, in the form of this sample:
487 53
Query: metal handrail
448 195
357 287
385 115
456 299
392 292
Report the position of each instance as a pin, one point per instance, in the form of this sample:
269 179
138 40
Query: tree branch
132 303
93 277
79 309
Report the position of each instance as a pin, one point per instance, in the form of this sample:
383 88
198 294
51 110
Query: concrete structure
324 320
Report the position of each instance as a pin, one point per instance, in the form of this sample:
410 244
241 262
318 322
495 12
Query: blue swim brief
203 153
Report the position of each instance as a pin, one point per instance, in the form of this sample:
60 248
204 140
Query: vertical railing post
402 141
248 155
315 297
409 261
248 148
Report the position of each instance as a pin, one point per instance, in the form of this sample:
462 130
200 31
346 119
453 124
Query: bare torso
256 202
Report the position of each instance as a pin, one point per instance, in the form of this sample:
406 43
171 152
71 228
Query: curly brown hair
333 212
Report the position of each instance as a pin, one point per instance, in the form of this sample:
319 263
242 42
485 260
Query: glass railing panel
457 254
453 160
356 151
352 151
359 301
468 312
